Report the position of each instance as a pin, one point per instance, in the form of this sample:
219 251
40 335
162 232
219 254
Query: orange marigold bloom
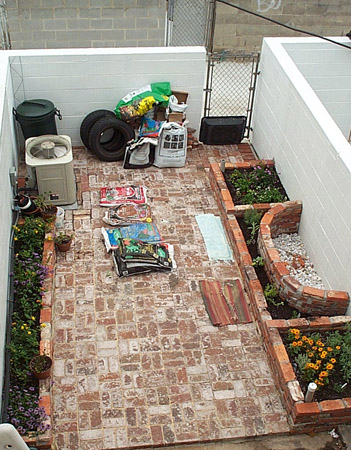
329 349
299 343
304 338
310 341
333 360
329 366
294 344
337 347
314 348
323 374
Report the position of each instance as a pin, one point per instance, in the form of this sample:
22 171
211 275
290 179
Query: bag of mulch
171 148
140 153
149 127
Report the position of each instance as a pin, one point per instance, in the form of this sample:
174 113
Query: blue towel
214 236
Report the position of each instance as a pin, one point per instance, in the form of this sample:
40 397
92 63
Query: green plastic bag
137 103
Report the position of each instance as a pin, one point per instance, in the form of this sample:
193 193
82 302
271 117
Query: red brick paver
136 360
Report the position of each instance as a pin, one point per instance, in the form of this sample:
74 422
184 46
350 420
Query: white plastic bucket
60 215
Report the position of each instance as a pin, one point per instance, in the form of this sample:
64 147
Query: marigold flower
15 238
299 343
310 355
314 348
294 344
320 343
22 327
337 347
29 332
33 318
333 360
329 349
295 331
329 366
323 355
318 361
310 341
43 325
323 374
320 349
304 338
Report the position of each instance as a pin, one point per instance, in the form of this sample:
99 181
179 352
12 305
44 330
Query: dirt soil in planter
277 312
238 199
327 392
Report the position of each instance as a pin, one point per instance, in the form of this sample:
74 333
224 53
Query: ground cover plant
322 358
259 184
23 409
278 308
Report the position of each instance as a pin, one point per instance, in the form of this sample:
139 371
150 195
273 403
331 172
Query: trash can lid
35 108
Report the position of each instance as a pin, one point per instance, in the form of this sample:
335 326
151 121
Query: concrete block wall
328 72
8 159
81 81
86 23
237 30
313 158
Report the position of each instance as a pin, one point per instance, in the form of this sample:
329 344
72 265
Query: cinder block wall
86 23
291 125
236 30
81 81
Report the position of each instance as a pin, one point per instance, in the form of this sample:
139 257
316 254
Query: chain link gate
230 87
190 22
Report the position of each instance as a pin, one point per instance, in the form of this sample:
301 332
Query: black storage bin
37 117
222 130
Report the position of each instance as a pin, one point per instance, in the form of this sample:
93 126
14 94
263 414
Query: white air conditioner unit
49 161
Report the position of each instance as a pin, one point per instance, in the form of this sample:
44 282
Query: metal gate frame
218 58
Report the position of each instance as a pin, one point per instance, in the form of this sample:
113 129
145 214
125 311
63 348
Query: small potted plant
63 241
48 210
40 366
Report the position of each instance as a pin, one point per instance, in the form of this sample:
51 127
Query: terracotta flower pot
64 247
40 366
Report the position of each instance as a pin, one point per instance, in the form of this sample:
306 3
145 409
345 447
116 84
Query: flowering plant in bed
260 184
324 359
29 273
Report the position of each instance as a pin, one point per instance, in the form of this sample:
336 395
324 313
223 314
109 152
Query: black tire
89 121
113 150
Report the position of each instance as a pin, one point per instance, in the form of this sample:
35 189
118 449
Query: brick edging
303 417
285 218
44 441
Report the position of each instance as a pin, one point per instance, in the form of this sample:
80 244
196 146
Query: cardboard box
175 117
181 96
160 114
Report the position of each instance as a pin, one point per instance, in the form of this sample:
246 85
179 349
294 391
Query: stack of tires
105 135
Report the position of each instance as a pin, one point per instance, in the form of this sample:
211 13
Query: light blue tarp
214 236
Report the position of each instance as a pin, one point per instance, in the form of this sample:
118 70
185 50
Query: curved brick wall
285 218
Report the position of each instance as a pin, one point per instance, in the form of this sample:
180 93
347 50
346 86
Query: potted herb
63 241
40 366
47 209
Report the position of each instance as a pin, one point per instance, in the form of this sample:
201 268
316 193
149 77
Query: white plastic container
60 215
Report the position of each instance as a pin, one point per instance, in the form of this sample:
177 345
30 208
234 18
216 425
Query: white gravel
292 251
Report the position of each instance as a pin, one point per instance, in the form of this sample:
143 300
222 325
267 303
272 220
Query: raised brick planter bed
222 193
285 218
44 441
304 417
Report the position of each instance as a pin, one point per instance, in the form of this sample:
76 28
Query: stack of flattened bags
135 242
134 256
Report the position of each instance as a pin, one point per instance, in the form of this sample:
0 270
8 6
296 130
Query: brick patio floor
136 360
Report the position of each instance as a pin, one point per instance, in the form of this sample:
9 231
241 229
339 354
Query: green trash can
37 117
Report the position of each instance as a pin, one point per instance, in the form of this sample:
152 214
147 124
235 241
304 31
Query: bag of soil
172 145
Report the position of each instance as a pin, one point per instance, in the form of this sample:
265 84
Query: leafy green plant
252 219
258 261
271 292
317 359
295 315
28 278
257 185
63 237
